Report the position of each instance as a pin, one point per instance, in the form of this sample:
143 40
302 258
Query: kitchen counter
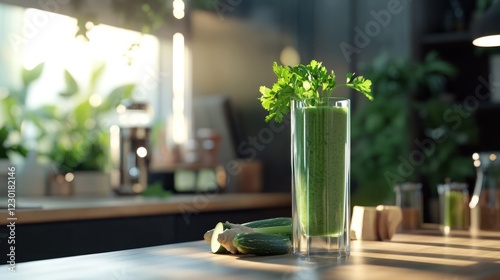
56 209
53 227
423 254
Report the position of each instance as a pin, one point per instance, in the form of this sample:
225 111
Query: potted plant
16 149
405 117
80 142
14 111
7 149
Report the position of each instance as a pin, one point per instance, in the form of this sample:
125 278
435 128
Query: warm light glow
179 125
178 63
178 9
114 145
221 176
142 152
95 100
120 108
487 41
446 230
474 201
69 177
54 43
477 163
493 157
114 129
289 56
89 25
455 260
178 14
475 156
137 188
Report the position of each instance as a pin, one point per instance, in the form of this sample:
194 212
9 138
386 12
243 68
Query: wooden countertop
417 255
54 209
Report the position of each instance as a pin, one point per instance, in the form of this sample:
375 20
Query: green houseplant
406 92
80 140
22 128
16 114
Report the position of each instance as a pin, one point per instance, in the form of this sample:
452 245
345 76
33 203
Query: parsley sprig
307 83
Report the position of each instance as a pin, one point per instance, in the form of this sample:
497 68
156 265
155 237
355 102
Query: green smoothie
321 140
454 209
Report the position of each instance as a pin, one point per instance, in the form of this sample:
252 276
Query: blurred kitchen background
168 91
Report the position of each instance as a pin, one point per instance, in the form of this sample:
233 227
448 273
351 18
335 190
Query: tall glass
320 146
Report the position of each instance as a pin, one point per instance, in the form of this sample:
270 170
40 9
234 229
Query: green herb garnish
308 83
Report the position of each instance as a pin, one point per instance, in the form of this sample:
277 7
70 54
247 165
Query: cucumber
226 233
272 222
215 246
262 244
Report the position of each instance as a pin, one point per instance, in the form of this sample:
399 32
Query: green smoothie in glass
320 127
320 157
454 210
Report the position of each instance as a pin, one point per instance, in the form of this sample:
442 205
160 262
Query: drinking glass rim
328 102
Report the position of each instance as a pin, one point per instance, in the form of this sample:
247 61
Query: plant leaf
349 76
29 76
82 113
96 75
308 83
116 96
71 85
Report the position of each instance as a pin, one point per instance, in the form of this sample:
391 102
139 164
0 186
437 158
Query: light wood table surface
418 255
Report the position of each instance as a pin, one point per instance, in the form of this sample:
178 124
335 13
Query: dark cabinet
438 30
62 239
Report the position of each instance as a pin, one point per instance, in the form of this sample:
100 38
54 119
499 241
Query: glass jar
453 205
409 199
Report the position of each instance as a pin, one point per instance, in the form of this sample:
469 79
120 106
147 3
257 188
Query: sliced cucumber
275 226
215 246
272 222
262 244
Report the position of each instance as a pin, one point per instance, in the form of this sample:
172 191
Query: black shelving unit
473 75
472 63
470 88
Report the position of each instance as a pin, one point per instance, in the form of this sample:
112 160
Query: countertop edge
196 203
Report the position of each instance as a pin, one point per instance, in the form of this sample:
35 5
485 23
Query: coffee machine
131 149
